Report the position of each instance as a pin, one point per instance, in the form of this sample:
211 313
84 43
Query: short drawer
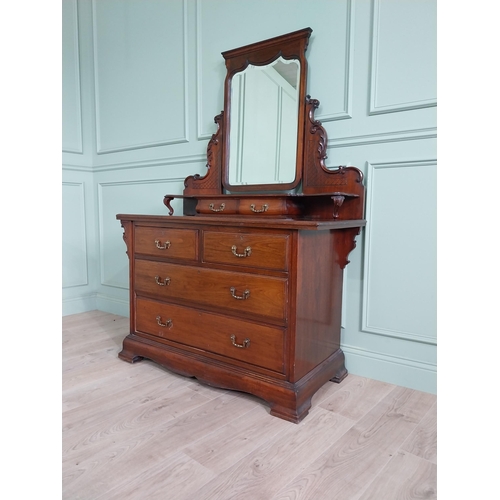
268 251
258 206
233 338
225 290
224 205
167 242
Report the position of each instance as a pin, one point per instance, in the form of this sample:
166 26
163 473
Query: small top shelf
337 205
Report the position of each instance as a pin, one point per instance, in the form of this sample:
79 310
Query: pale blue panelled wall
142 82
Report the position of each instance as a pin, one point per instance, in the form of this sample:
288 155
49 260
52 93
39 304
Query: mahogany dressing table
244 290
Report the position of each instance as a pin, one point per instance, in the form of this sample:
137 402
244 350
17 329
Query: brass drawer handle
246 253
245 295
161 282
246 342
168 324
259 211
220 209
162 247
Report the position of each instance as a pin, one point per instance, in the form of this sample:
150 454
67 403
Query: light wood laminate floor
140 432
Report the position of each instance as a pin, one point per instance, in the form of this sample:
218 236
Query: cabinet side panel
319 301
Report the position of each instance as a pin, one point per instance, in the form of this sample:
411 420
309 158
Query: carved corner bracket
338 199
345 243
211 182
127 225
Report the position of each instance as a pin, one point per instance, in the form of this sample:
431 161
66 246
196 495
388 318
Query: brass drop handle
220 209
259 210
161 282
246 342
168 324
165 246
246 253
245 295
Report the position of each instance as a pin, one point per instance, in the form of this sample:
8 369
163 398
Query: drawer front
167 242
217 206
248 342
269 251
259 206
225 290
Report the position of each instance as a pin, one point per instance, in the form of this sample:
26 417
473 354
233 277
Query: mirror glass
263 123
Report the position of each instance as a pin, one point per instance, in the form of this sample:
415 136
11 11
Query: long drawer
233 338
167 242
269 251
224 290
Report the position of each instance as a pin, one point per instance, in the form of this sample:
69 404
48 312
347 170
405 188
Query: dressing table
243 290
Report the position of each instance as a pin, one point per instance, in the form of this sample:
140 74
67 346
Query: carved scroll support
338 199
316 140
211 182
316 177
166 201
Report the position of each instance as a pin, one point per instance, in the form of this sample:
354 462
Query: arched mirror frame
291 46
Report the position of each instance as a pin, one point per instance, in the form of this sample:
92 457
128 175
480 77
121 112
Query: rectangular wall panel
400 251
74 239
404 60
140 73
71 99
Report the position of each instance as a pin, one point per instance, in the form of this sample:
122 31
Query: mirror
264 110
264 114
